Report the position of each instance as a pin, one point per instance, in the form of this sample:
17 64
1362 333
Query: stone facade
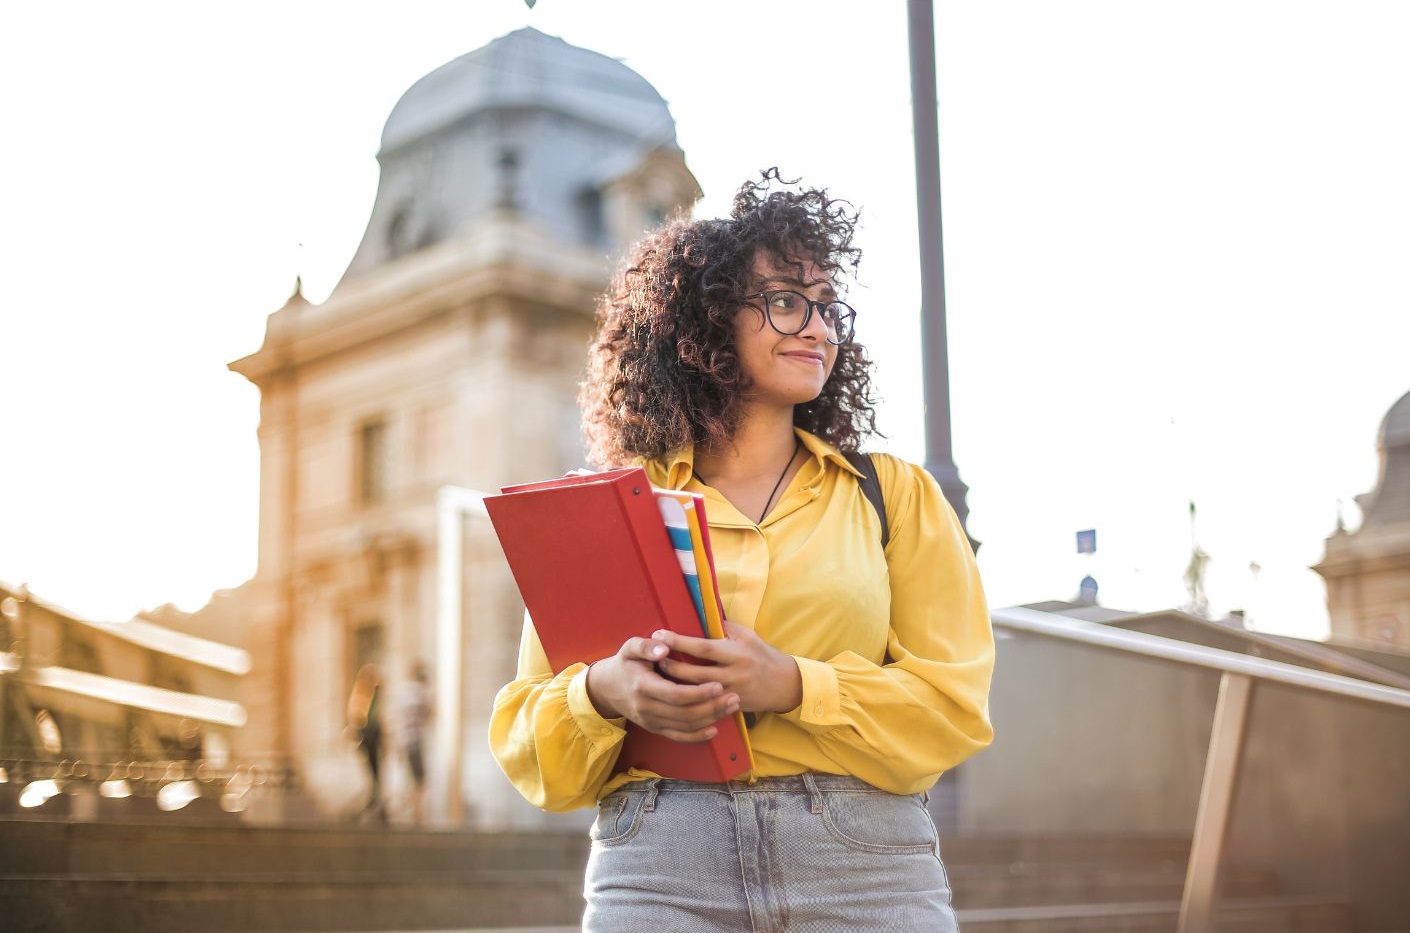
448 357
1368 570
82 699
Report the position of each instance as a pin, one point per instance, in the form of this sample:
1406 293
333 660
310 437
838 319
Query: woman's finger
702 735
691 716
643 649
707 649
660 691
688 673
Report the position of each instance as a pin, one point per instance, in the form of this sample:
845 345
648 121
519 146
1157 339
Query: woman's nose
815 328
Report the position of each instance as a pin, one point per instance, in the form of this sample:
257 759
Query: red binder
595 567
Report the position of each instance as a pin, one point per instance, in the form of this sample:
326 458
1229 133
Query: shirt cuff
822 699
600 731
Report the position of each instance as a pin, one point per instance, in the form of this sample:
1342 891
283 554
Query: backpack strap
871 488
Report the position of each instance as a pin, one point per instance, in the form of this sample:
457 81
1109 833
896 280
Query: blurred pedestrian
414 710
365 726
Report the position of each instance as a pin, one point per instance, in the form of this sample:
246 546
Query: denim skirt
813 853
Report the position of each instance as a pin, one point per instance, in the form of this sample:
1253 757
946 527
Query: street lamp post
935 360
12 658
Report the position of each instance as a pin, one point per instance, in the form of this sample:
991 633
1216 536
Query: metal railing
173 783
1238 675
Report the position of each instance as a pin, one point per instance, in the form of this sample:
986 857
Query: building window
366 647
594 218
168 674
372 461
78 653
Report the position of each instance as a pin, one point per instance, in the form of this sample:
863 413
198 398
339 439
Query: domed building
1368 570
447 358
572 143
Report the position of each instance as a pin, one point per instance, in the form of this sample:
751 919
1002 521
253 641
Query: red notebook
595 567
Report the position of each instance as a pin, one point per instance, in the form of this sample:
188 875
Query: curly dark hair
663 371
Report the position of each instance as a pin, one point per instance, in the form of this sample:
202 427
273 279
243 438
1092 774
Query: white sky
1176 242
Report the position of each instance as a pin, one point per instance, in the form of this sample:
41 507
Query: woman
365 727
723 363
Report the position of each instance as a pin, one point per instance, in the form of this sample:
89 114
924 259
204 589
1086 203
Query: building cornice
505 256
1366 551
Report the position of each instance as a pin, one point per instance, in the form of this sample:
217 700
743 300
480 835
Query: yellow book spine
705 568
714 613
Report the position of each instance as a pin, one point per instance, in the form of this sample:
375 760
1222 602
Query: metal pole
1216 803
939 454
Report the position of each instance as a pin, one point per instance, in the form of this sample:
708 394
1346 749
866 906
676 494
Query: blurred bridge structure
1153 772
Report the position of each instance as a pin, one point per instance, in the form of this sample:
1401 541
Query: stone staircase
152 878
1127 883
229 878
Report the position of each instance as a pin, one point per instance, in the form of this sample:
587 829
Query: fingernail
658 651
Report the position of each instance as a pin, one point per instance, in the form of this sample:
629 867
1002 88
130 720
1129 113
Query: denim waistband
807 783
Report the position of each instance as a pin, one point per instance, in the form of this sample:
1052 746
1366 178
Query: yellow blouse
812 581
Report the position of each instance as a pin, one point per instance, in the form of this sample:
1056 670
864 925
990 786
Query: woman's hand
765 679
627 684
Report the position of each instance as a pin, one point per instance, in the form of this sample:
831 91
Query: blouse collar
674 470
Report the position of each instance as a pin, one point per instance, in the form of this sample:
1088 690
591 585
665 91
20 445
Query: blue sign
1087 541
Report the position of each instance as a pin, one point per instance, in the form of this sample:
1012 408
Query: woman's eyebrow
778 280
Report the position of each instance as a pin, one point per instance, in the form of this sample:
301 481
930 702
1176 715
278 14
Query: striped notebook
684 515
673 513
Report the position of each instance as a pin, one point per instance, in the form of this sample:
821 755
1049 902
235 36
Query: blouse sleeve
900 724
546 735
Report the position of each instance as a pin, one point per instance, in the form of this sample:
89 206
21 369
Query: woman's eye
784 301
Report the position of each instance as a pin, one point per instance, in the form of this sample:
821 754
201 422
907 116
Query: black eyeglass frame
810 304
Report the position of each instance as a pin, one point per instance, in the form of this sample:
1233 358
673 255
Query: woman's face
780 369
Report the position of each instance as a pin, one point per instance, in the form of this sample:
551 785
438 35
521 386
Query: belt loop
815 801
652 787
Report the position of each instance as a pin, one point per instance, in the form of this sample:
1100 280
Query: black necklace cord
797 446
770 500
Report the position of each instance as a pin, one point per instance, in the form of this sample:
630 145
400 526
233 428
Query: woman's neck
759 447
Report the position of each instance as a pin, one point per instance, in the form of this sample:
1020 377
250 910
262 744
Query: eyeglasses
788 312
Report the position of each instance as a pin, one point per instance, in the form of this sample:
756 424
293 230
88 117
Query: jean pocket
618 817
885 823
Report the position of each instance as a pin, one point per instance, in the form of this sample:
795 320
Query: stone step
1106 848
56 845
1034 883
164 850
157 877
1238 915
243 905
518 899
55 848
974 888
